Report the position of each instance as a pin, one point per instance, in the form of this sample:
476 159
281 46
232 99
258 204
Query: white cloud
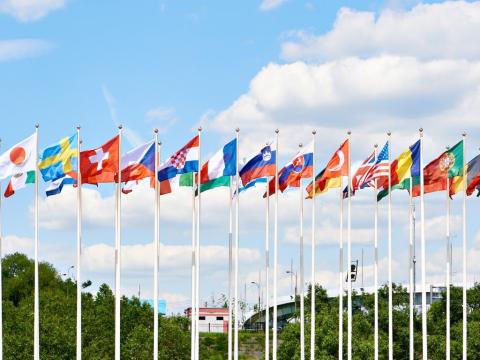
424 32
22 48
14 243
268 5
30 10
163 117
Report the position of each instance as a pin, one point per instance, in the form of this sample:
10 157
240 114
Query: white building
211 320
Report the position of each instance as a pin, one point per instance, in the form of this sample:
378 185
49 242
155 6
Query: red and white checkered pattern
179 158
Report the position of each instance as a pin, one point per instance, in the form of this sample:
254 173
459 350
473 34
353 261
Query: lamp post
294 273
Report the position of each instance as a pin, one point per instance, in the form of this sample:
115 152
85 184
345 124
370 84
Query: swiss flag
100 165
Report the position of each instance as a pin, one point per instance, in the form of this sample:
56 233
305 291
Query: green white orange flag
18 163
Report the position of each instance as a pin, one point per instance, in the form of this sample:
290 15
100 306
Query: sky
365 66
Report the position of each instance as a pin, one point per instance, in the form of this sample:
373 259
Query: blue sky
369 66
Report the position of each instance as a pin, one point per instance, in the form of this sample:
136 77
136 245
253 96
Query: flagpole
375 266
117 246
36 312
197 276
447 282
230 249
423 254
349 251
79 249
194 251
313 292
411 275
237 207
390 281
267 273
302 305
341 280
275 254
1 280
157 249
464 250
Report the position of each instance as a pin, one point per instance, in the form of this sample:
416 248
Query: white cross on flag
100 165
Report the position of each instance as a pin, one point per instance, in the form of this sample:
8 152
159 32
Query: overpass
285 312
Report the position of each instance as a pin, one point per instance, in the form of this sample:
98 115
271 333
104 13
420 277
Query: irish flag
217 171
18 163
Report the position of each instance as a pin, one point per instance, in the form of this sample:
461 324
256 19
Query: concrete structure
211 320
285 313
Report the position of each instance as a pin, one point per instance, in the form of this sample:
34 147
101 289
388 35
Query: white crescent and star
341 158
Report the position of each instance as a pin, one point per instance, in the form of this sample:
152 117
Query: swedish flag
60 159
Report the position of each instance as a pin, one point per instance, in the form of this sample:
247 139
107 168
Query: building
211 320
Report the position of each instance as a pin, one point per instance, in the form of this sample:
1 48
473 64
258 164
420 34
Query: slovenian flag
261 164
183 161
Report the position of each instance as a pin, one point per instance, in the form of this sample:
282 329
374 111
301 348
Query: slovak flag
183 161
100 165
291 174
261 164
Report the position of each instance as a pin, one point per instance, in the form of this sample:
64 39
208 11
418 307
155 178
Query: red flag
100 165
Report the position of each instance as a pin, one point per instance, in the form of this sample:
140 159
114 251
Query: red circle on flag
18 155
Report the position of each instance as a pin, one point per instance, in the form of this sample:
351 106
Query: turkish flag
100 165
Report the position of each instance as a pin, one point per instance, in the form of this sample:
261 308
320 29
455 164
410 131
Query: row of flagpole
233 341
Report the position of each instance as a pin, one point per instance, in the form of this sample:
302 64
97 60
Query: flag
331 176
358 179
183 161
444 168
253 183
60 159
55 187
139 163
100 165
259 165
379 170
219 168
291 174
18 163
403 169
472 169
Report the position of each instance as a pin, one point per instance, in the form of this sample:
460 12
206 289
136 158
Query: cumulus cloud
424 32
30 10
22 48
268 5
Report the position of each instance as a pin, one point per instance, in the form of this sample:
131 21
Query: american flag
379 170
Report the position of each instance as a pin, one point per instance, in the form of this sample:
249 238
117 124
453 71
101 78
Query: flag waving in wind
60 159
259 165
291 174
219 168
100 165
18 163
331 176
183 161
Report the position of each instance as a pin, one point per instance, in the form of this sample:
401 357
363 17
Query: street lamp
294 273
259 295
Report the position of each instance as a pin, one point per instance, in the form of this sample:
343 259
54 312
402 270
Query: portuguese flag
446 167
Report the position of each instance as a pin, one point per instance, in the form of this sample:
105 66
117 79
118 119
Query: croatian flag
261 164
183 161
291 174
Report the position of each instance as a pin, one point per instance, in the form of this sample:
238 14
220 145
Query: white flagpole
375 265
447 282
341 279
302 304
423 254
275 254
118 252
267 273
197 276
36 312
1 280
230 255
79 249
193 316
464 250
390 281
312 296
237 207
157 249
349 251
411 277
